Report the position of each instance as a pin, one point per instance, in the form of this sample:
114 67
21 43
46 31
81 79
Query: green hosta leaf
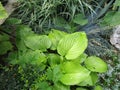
81 89
36 42
3 13
21 45
55 36
79 19
32 57
13 21
23 31
98 87
96 64
54 59
60 86
81 58
90 80
5 46
72 45
73 73
94 77
54 73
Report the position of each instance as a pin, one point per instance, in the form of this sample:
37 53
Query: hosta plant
59 57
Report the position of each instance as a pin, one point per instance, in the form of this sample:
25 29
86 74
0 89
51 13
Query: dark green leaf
80 19
13 21
61 23
5 46
4 37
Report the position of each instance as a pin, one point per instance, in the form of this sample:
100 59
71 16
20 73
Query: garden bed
42 39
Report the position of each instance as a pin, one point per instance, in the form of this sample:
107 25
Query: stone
115 37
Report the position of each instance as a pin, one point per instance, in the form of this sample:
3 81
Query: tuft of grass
40 14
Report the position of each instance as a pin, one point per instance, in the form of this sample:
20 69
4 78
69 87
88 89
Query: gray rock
115 37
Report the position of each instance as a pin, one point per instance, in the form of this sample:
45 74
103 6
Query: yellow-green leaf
72 45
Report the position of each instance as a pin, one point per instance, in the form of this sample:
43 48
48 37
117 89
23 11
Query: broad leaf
98 87
53 59
90 80
4 37
5 46
55 36
54 73
81 58
72 45
21 45
81 88
80 19
32 57
73 73
3 13
96 64
23 31
60 86
36 42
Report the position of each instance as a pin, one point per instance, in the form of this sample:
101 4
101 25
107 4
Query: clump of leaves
59 57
